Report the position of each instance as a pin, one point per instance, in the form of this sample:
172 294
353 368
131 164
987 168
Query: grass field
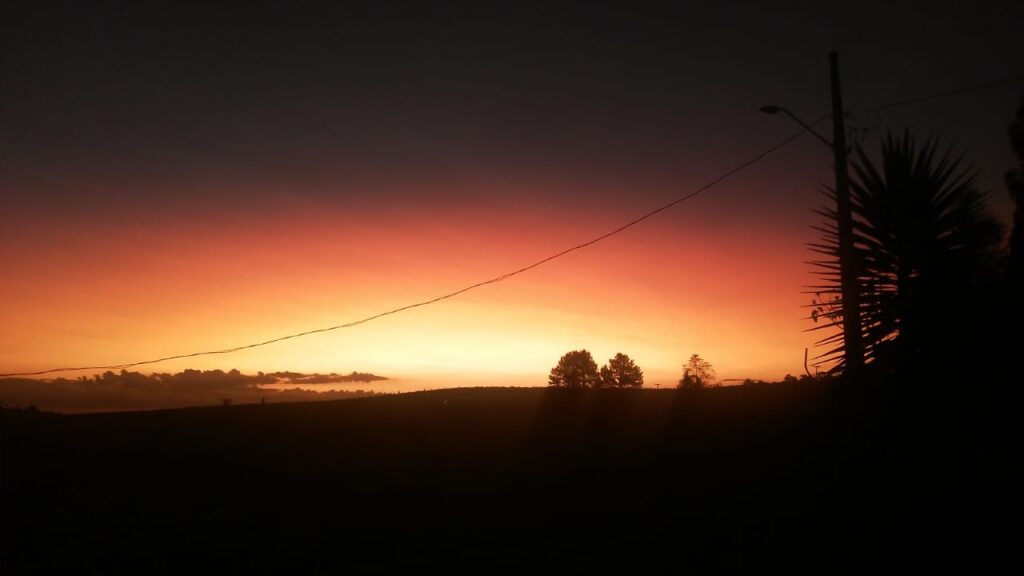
478 480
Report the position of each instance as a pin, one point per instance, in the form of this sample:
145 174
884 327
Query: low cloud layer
112 391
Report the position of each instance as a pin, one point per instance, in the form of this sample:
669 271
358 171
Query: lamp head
771 109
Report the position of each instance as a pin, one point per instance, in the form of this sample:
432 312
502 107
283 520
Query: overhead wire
957 92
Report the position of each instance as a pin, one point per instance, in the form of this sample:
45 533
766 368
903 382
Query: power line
863 128
976 87
761 155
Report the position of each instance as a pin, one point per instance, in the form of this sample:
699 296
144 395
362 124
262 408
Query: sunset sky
181 179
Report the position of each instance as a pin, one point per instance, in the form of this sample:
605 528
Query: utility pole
848 262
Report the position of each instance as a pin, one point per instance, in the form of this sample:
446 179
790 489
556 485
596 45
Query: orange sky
98 291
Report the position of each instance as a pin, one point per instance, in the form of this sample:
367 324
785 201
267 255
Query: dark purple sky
110 105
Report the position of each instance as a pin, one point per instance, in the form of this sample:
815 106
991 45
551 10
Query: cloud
112 391
331 378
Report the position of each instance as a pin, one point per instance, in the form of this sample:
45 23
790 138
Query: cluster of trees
577 369
126 390
204 379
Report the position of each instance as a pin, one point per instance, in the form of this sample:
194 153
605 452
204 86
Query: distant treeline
136 391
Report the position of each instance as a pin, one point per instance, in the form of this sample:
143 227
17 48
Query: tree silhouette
1015 185
621 372
922 234
575 369
697 373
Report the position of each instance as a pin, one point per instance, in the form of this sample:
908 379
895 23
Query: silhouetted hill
795 476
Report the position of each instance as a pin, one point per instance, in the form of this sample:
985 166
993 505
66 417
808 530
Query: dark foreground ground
478 480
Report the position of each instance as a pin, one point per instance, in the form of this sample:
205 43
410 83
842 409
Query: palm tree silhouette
922 233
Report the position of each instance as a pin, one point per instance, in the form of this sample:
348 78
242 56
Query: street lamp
773 110
853 349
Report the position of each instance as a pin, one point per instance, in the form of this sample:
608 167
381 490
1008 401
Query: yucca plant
921 231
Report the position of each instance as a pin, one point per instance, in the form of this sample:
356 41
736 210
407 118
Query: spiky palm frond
919 226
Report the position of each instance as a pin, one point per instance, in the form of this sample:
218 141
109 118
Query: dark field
477 480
